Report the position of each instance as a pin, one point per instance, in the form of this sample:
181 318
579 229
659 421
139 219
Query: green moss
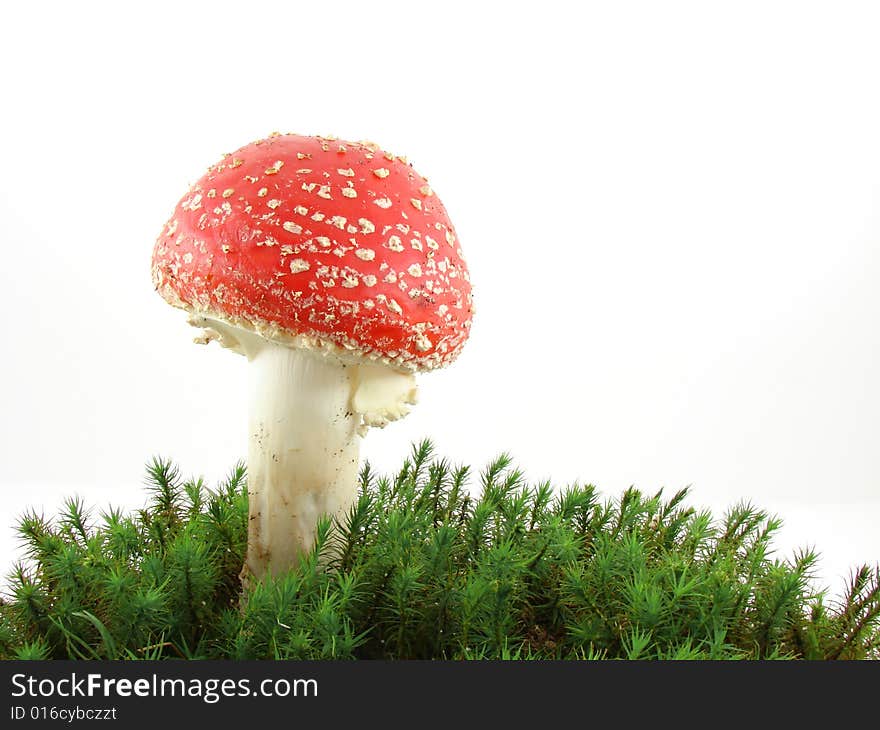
422 568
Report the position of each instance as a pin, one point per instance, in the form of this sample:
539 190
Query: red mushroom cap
318 237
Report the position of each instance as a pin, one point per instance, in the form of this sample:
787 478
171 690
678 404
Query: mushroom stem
303 453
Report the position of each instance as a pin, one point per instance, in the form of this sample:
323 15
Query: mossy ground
424 568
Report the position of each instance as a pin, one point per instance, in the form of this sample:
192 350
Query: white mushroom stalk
307 412
303 452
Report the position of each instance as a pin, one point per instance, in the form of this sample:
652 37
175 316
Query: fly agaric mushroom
334 269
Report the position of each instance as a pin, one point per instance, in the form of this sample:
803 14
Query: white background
670 212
